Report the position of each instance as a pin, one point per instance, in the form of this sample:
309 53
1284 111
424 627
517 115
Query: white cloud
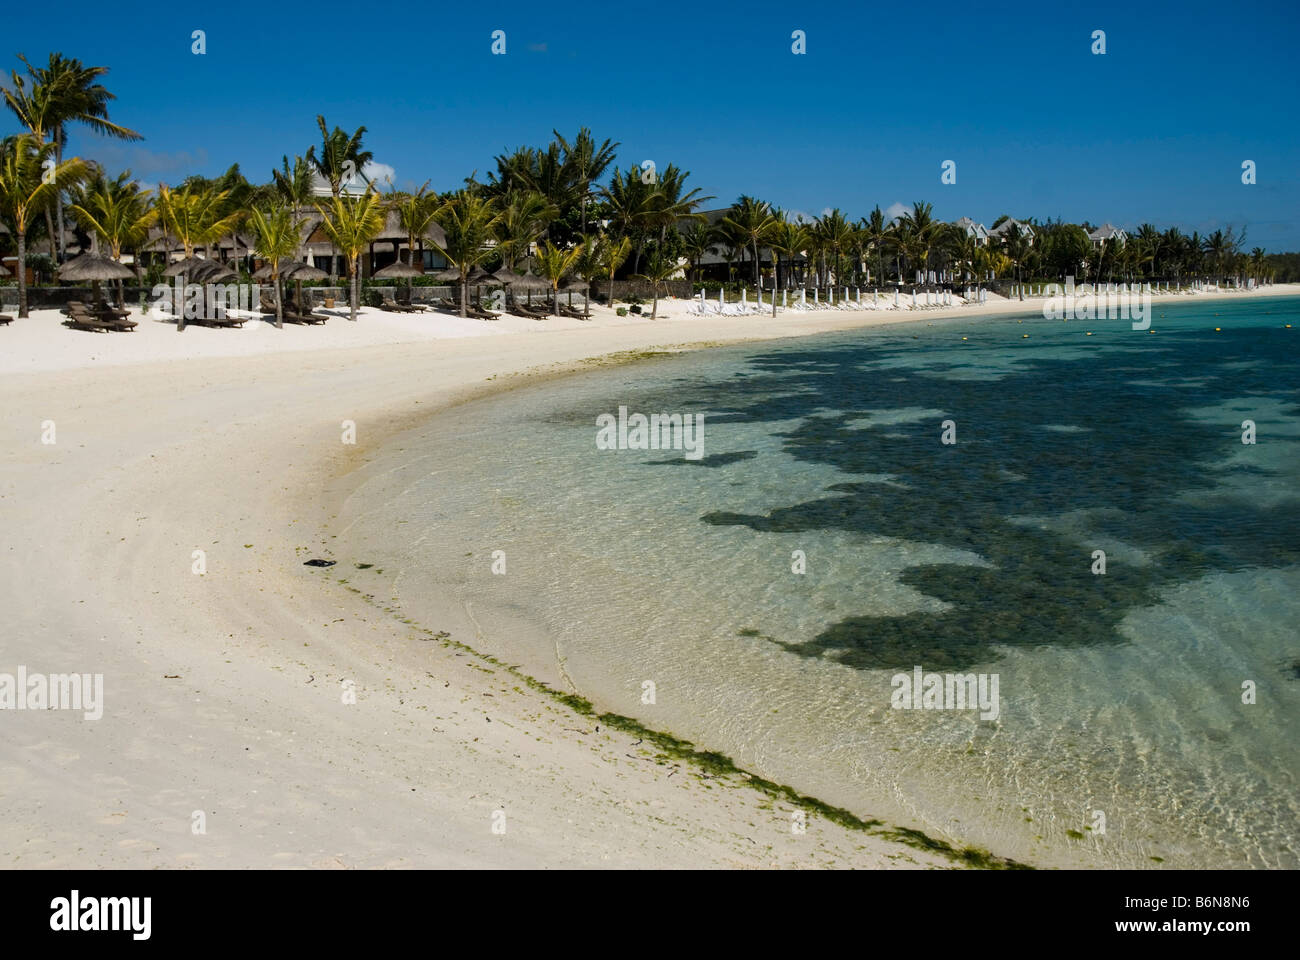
896 210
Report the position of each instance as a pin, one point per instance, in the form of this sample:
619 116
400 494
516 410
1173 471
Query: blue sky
1156 129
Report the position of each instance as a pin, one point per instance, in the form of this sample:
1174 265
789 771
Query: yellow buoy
1089 333
1024 336
963 338
1218 329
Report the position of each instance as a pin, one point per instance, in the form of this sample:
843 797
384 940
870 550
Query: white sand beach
223 691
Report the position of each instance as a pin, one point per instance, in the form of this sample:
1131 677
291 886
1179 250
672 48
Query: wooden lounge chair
297 316
215 321
79 320
5 319
415 307
395 307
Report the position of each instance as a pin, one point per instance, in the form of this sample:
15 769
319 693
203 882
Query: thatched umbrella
184 269
213 270
298 272
571 283
478 277
507 276
264 272
398 269
528 283
91 268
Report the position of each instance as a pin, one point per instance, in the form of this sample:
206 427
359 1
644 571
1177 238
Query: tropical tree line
547 210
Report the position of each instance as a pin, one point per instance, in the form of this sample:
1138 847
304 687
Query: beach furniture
83 320
297 316
4 319
395 307
521 311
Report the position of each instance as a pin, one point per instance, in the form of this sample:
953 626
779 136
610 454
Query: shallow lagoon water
1119 693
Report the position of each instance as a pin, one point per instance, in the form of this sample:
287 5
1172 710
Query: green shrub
621 311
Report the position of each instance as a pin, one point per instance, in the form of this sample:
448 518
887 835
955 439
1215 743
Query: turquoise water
1120 693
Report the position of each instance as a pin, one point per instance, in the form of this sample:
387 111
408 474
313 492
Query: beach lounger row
293 313
401 306
100 319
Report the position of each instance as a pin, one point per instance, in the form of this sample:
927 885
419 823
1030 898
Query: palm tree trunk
353 266
279 299
58 194
22 273
49 229
464 295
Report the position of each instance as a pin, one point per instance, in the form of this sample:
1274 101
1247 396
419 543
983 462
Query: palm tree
610 253
836 235
588 266
277 237
27 183
925 234
1017 249
1257 263
750 220
119 213
876 233
70 93
293 187
659 269
352 223
198 215
1220 247
583 164
671 202
340 154
555 263
788 237
415 212
470 223
964 249
523 219
697 241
